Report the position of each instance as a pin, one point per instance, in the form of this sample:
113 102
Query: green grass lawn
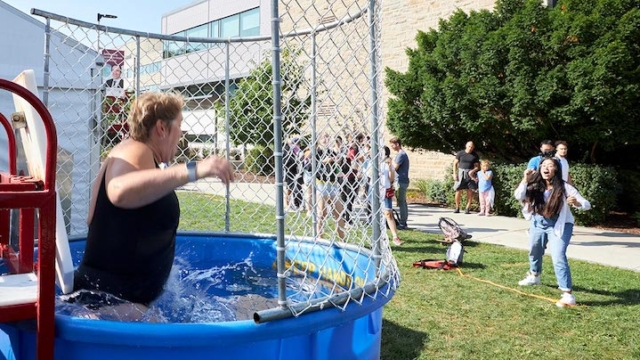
483 314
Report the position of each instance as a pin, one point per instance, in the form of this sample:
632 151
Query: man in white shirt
115 86
561 155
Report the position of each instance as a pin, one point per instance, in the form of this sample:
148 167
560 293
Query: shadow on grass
400 343
624 297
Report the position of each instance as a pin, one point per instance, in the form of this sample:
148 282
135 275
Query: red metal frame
5 214
28 194
11 140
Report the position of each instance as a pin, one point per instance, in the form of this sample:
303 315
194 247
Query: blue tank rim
233 332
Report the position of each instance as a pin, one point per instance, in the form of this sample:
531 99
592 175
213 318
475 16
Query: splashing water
225 292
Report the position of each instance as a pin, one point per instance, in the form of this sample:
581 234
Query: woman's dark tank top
129 252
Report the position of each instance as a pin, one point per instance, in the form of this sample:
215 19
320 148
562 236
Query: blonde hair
148 109
485 162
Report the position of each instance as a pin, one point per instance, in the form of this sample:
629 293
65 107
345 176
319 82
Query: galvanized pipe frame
285 309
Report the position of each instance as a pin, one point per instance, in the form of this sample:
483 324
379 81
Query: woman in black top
134 210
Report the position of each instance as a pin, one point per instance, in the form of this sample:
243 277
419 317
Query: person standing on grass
465 167
485 188
546 199
387 178
401 166
329 161
292 166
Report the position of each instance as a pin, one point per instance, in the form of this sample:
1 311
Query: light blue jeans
401 201
540 235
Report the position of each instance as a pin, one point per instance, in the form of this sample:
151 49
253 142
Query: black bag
396 218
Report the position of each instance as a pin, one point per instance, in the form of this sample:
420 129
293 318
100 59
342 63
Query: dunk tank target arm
28 291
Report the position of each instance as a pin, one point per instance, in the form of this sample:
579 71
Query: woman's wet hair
387 151
151 107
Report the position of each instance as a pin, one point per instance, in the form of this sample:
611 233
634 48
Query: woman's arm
133 181
521 191
392 172
575 199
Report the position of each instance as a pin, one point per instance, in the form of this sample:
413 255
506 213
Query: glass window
230 27
199 31
173 48
250 23
215 29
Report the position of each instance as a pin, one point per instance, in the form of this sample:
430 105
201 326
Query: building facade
400 22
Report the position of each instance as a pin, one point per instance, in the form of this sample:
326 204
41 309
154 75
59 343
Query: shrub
422 185
506 178
598 185
629 190
437 191
260 161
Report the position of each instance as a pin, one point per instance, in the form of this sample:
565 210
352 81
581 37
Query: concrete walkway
604 247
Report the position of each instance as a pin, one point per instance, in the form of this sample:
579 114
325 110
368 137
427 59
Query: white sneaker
530 280
567 300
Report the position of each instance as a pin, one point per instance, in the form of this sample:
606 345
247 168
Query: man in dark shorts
465 168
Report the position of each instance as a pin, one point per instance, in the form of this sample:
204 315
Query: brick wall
401 20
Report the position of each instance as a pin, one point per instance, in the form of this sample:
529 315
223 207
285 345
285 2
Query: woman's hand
571 200
527 173
215 166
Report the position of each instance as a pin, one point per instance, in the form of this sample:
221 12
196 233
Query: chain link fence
309 172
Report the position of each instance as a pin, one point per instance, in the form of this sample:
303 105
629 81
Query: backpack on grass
452 231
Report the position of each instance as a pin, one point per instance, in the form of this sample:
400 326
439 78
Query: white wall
199 13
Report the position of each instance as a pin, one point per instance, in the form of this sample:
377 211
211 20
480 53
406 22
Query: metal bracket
18 120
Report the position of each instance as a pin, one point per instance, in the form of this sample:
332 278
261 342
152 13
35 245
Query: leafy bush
629 192
598 185
422 185
506 178
261 161
437 191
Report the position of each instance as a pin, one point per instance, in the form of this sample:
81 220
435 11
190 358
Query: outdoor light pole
106 16
101 136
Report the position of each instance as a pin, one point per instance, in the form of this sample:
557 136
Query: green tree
522 73
251 106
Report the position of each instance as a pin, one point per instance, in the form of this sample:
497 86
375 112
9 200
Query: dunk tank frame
28 291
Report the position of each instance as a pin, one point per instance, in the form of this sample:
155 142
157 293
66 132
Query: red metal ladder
28 291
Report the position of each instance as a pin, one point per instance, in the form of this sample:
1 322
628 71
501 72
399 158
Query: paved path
605 247
590 244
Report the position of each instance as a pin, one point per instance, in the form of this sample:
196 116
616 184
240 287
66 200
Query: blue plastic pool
352 333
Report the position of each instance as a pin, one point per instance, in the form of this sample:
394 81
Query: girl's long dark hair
536 187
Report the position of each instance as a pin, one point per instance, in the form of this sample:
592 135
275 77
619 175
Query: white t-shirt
564 165
114 88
